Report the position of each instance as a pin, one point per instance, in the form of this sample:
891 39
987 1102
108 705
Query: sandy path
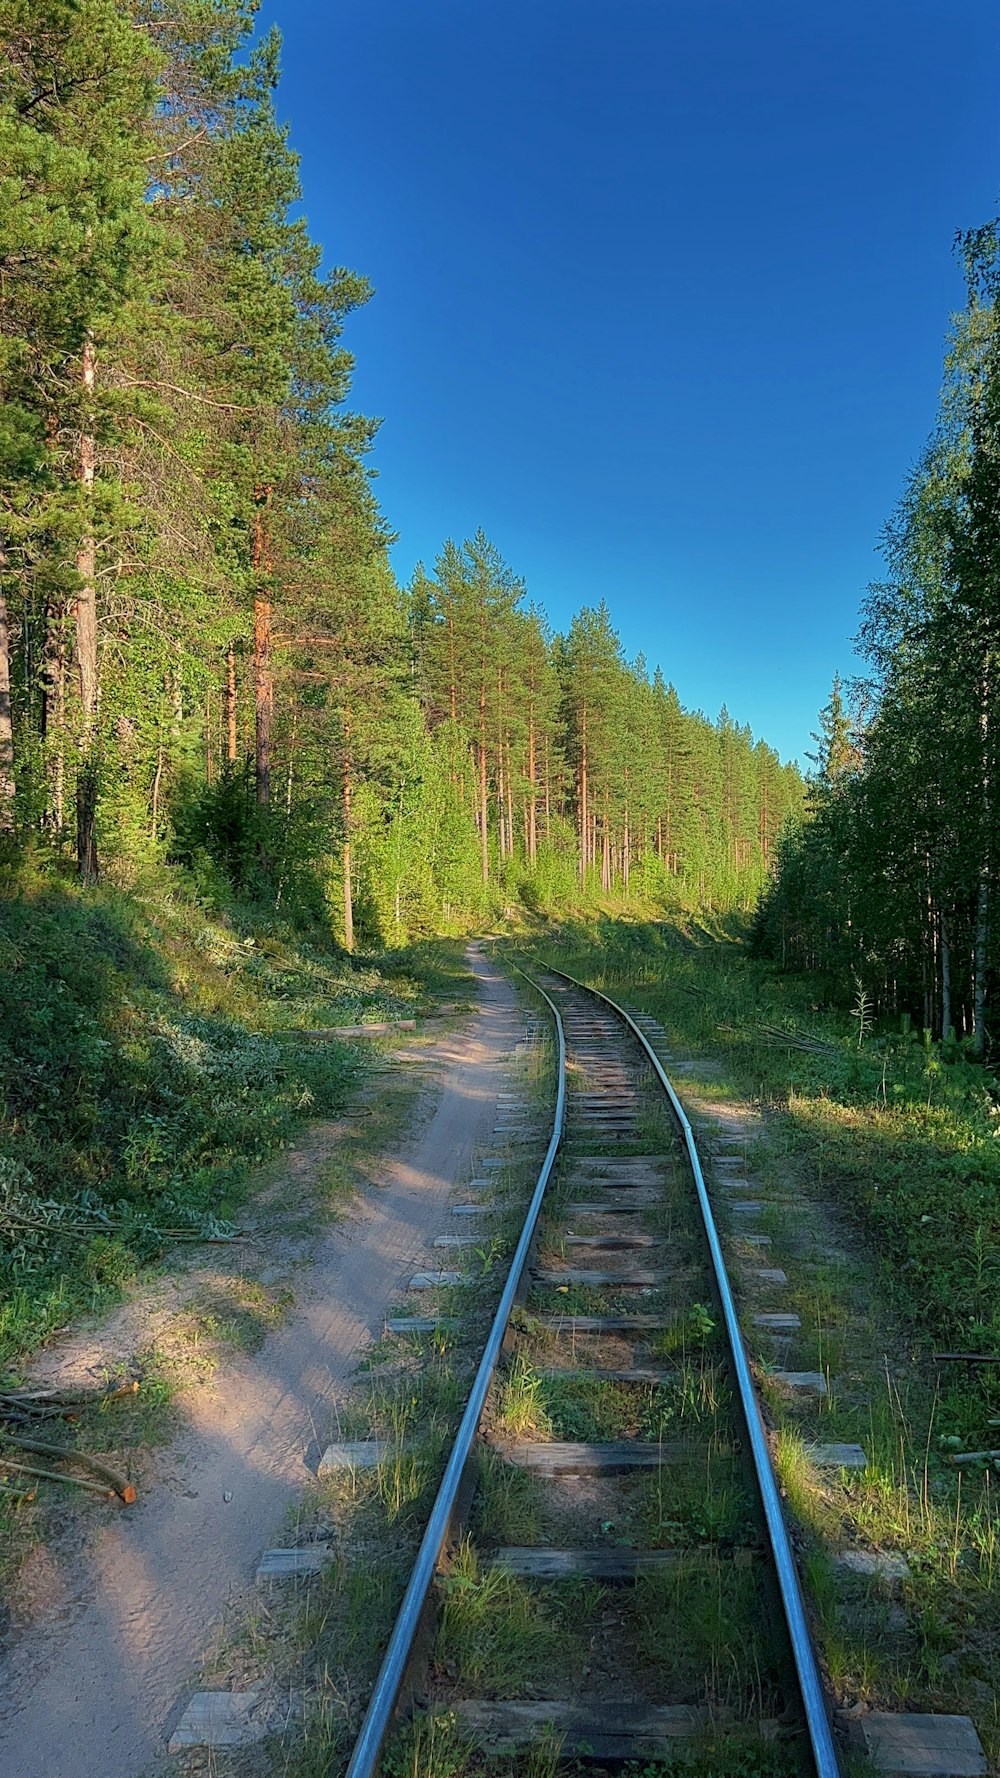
97 1677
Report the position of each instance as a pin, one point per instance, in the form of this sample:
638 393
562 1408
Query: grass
151 1056
891 1243
497 1631
703 1629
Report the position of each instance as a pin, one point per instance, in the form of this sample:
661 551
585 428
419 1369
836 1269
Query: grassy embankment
151 1055
879 1165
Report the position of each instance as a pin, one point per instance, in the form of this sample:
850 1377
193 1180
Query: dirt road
108 1640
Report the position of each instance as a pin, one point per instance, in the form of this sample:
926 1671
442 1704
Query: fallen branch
56 1475
960 1457
966 1357
117 1483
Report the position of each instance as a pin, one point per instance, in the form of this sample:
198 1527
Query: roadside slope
109 1637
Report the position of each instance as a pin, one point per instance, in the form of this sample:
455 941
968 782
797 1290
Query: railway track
614 1394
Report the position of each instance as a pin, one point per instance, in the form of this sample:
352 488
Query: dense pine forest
890 890
205 660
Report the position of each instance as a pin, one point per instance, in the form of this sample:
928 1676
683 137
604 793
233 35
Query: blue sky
662 289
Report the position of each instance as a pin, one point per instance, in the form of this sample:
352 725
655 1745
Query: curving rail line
390 1680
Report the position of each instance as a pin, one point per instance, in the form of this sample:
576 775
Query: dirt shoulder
112 1612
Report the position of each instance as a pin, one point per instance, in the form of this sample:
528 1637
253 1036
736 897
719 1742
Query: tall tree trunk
532 834
86 633
945 976
981 941
606 848
347 859
263 680
503 788
510 801
584 812
263 699
230 700
484 832
54 707
6 717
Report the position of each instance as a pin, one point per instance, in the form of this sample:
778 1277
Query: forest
207 666
889 891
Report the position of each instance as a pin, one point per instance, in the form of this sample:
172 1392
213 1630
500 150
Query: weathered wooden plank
923 1746
603 1323
633 1280
769 1274
407 1324
232 1719
613 1243
288 1564
630 1205
434 1280
777 1323
537 1563
648 1373
564 1458
616 1729
873 1564
810 1382
366 1453
837 1456
602 1281
598 1163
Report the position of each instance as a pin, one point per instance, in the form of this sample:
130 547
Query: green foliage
904 1129
894 879
149 1054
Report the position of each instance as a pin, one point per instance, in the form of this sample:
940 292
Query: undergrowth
151 1053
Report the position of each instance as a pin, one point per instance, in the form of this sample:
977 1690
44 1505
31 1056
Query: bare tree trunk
532 834
509 802
501 805
231 705
348 885
54 707
484 834
606 848
983 890
626 853
945 977
263 680
6 718
584 813
263 699
86 635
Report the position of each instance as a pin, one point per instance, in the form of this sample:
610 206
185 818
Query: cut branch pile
22 1409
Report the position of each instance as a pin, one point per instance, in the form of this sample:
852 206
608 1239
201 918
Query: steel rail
382 1703
813 1702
